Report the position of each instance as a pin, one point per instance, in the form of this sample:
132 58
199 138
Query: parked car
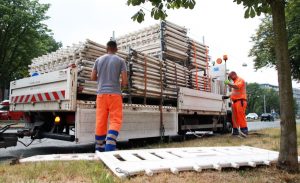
5 114
266 117
275 115
252 116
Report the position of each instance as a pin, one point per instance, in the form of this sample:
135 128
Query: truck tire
228 127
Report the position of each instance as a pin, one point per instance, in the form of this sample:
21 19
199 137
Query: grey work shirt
109 68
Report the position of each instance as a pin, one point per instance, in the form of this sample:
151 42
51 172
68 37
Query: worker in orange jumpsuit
107 71
239 104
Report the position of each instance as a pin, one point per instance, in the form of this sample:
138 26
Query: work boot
235 131
244 132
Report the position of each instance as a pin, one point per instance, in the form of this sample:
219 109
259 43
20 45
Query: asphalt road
252 126
49 146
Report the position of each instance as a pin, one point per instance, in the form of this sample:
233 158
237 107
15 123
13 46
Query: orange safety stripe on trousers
238 114
108 105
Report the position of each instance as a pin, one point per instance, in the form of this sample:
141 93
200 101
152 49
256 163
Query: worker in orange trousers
107 71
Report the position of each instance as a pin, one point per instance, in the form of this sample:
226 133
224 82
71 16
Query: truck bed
54 91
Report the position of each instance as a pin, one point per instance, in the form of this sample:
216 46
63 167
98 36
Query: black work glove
124 90
225 97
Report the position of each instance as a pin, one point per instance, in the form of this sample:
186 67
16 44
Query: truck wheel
228 127
182 132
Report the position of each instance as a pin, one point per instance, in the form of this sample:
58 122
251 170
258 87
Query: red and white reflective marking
39 97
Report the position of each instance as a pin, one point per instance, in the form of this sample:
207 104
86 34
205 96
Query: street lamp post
264 103
265 108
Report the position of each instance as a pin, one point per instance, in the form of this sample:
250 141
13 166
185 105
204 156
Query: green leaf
155 3
246 15
192 4
137 2
168 6
160 6
252 12
156 15
139 16
258 11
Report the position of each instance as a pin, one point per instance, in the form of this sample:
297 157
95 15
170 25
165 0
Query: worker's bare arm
94 75
124 82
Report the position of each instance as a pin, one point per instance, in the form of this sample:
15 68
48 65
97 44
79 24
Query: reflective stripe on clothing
239 93
111 140
112 136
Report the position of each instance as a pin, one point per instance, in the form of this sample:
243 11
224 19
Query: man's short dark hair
111 44
232 73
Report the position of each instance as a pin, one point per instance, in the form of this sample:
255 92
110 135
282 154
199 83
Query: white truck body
56 92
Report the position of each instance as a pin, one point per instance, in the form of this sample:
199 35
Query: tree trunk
288 156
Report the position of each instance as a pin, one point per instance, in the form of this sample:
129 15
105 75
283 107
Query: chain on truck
171 91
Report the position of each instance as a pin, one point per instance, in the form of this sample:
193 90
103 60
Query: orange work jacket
239 93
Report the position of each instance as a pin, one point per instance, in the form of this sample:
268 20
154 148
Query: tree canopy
256 96
254 91
263 50
159 7
23 36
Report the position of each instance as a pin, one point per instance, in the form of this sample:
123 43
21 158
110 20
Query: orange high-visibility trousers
238 114
108 105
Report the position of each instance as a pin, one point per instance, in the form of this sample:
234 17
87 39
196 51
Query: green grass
72 171
95 171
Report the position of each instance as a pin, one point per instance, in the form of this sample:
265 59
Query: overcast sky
220 22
